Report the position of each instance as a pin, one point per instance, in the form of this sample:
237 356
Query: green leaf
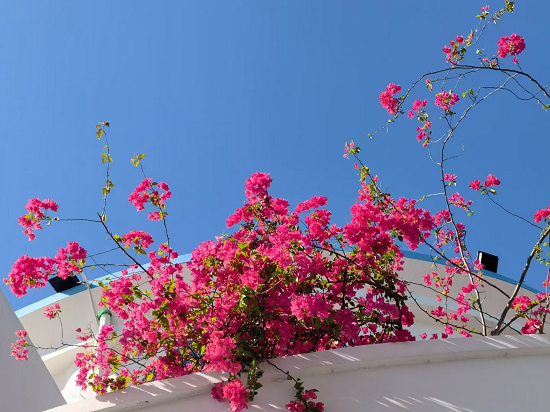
316 322
104 217
164 322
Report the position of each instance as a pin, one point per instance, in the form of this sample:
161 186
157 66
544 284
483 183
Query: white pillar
104 318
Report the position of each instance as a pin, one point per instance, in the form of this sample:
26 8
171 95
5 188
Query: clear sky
215 91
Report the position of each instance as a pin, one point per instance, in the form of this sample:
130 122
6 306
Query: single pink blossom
475 184
491 181
542 214
51 312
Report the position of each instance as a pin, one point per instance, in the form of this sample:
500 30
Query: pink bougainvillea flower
476 184
512 45
450 178
491 181
446 99
429 84
36 213
388 100
51 312
148 191
542 214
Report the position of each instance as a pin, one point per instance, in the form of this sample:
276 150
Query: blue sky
215 91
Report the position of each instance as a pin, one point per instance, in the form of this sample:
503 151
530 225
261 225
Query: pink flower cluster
489 182
306 306
521 303
256 187
235 392
145 192
51 312
28 272
459 201
347 148
70 260
219 354
512 45
450 178
476 184
455 52
313 203
417 104
542 214
446 99
139 238
305 404
532 326
36 213
429 84
424 132
388 100
18 349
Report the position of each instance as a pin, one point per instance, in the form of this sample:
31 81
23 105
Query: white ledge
323 363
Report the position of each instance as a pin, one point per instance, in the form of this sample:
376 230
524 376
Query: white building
493 373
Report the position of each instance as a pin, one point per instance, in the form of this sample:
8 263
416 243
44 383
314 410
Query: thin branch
124 250
78 220
512 214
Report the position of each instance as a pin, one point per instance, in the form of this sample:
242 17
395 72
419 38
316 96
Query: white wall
25 386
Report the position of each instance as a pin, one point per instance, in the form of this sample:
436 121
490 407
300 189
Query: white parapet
506 373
